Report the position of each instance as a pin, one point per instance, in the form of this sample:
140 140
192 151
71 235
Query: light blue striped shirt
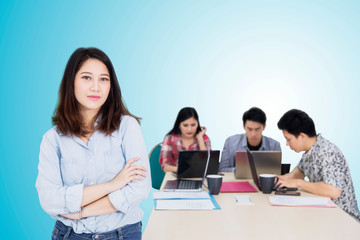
67 165
238 142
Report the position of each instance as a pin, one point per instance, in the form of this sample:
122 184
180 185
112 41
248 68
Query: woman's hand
200 139
201 134
127 174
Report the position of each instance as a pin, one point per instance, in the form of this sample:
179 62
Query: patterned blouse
324 162
172 144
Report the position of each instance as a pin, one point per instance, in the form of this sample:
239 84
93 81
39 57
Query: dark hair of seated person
183 115
254 114
295 122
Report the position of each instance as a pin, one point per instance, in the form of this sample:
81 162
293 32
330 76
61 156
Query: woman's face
188 127
92 85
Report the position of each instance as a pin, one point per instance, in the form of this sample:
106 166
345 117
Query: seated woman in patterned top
185 135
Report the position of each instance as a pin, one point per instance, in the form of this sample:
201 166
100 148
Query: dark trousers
127 232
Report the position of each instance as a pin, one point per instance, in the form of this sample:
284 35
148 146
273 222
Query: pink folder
229 187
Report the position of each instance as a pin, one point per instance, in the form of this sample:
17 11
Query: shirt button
96 236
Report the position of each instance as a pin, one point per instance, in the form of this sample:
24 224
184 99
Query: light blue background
221 57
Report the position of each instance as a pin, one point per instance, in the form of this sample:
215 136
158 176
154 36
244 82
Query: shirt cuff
119 201
73 198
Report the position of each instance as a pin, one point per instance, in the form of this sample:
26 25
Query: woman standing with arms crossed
185 135
93 163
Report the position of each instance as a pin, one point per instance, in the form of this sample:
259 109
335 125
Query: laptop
255 176
253 169
194 164
266 162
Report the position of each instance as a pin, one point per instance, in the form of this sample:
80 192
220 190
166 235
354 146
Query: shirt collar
59 132
317 142
244 142
97 121
179 142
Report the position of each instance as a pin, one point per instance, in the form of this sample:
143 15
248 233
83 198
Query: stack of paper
184 201
301 201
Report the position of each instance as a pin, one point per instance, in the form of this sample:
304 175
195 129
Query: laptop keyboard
188 184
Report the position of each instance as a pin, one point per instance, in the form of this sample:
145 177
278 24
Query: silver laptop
265 161
194 164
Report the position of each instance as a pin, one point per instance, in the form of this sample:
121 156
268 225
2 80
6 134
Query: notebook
194 164
266 162
230 187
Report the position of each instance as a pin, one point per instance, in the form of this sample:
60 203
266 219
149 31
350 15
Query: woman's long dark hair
67 116
184 114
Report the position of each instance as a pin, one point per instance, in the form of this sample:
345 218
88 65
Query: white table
259 221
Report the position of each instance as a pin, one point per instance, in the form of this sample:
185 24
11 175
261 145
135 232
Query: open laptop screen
192 164
266 162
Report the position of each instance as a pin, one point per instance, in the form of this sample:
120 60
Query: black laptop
194 164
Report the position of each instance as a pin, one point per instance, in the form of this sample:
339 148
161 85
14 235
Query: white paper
299 201
175 195
184 204
243 200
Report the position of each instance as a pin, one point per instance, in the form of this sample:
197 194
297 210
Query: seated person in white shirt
254 122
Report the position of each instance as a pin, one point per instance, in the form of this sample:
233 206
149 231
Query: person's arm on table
295 179
169 168
294 174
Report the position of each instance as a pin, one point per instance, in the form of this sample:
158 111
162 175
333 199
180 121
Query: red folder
230 187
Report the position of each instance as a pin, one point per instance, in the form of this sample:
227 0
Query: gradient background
221 57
